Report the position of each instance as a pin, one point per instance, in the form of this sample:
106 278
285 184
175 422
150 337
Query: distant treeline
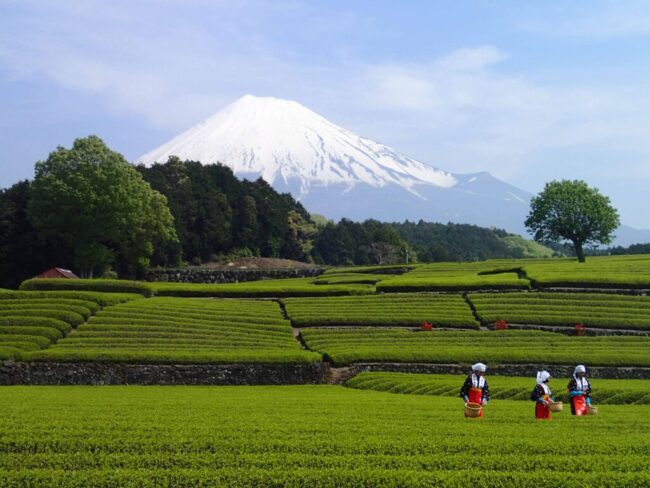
606 251
217 216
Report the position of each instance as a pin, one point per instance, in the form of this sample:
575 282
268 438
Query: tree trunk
579 251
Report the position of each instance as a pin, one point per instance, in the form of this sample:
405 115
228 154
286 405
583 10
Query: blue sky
529 91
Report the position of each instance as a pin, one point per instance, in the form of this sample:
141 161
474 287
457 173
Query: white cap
579 369
479 367
542 376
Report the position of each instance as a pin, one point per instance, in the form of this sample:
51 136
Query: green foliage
463 242
102 209
607 392
345 346
24 253
633 249
101 285
348 242
304 436
176 330
215 213
574 212
527 248
381 310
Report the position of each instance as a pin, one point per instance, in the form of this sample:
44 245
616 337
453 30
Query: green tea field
300 436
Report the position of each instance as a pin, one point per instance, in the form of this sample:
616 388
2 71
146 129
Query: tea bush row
381 310
345 346
564 309
604 391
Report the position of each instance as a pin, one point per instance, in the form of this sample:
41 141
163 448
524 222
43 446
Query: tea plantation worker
579 390
542 395
476 389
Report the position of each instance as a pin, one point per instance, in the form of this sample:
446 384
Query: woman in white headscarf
476 389
579 390
542 395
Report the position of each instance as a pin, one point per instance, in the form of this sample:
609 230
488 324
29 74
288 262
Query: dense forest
217 214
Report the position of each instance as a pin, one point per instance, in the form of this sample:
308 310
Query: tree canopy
100 206
572 211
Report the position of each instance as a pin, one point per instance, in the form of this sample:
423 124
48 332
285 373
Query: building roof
57 273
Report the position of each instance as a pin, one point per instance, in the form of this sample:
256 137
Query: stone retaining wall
206 275
50 373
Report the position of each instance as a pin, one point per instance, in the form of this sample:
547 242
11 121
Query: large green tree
572 211
101 207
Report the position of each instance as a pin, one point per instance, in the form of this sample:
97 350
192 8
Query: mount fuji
337 173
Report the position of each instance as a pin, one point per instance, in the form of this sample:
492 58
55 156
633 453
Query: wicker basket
473 409
555 406
592 410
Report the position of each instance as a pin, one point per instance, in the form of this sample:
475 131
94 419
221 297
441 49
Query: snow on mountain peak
283 140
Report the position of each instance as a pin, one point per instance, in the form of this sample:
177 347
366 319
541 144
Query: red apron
542 411
476 396
579 404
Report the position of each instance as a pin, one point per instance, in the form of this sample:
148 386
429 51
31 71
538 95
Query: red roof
57 273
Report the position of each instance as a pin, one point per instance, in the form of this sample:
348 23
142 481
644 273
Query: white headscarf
542 376
582 384
479 367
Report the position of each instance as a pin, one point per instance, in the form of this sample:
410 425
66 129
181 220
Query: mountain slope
281 140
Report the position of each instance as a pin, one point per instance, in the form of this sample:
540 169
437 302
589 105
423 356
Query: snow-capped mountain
336 173
282 140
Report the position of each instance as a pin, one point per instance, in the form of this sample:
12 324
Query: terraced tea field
605 392
622 272
381 310
345 346
564 309
256 436
597 272
173 330
457 277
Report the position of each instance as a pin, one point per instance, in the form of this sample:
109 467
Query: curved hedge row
102 299
31 321
102 285
289 287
